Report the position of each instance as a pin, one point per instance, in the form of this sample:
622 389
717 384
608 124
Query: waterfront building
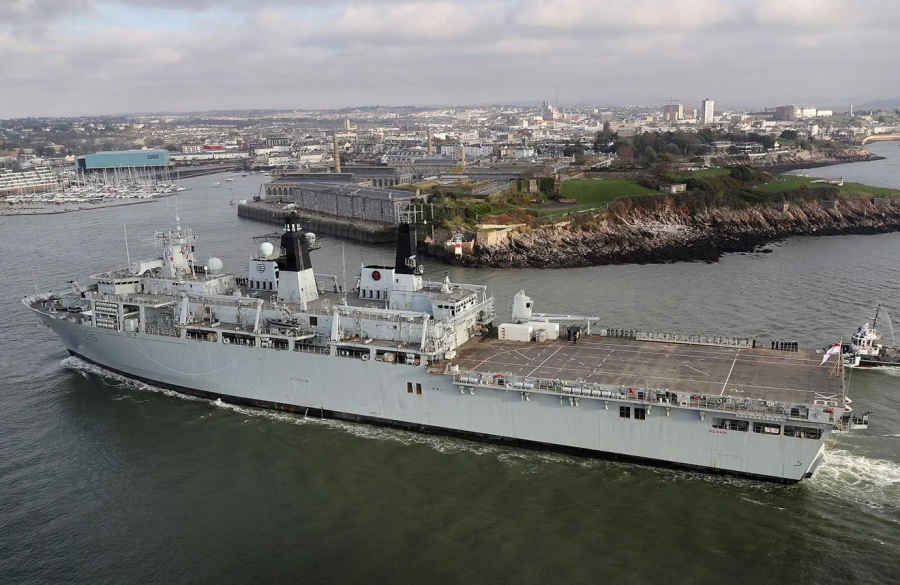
340 200
377 175
39 180
122 160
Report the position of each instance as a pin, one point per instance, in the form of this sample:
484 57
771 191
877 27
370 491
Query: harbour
95 431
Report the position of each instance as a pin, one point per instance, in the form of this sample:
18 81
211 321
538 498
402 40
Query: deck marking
696 370
544 362
729 372
667 378
523 355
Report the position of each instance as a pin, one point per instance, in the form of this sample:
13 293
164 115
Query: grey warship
396 349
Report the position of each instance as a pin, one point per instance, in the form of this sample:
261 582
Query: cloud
648 15
168 54
17 12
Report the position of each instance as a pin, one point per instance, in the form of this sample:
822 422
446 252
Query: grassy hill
601 191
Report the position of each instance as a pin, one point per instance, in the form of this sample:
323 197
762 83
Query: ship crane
522 312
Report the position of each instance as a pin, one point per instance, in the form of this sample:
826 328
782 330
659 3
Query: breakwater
367 232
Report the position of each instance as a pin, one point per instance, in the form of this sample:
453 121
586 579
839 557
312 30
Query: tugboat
865 351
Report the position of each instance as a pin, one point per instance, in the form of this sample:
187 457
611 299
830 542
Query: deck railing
756 408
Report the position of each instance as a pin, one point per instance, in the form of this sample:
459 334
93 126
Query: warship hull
416 398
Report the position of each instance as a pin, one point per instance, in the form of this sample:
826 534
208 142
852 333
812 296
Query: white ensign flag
834 349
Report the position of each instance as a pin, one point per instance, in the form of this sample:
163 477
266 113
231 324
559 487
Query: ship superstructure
397 349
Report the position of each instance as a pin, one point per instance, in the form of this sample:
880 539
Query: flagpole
840 358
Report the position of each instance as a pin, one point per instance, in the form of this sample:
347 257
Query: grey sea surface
103 480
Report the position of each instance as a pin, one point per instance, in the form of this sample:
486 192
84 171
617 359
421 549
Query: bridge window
409 387
625 411
766 428
640 413
418 388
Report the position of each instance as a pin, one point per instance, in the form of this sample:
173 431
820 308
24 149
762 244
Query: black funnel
405 263
294 246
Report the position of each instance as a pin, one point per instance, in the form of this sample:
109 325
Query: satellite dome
266 249
214 265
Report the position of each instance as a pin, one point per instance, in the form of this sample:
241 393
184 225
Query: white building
524 152
474 150
824 113
707 111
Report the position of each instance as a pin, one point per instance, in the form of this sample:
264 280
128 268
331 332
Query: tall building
674 112
707 111
549 112
786 113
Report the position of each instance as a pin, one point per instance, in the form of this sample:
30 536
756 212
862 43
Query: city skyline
91 57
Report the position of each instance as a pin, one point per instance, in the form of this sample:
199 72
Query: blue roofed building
122 159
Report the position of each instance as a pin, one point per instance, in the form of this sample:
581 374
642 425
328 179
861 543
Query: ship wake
873 484
87 370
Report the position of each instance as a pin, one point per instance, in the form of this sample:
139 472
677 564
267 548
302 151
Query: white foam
889 370
869 483
87 370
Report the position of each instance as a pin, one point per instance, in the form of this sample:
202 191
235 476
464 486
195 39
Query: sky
92 57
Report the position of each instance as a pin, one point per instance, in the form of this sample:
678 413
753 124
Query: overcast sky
81 57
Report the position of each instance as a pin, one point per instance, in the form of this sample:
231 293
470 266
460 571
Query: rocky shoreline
810 160
676 236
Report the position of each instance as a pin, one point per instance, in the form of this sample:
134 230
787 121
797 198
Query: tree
624 152
767 141
789 135
603 141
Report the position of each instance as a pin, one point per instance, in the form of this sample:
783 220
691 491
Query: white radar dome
266 249
214 265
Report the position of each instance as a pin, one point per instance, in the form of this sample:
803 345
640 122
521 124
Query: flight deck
758 373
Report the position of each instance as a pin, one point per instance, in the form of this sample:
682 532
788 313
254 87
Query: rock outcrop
675 235
802 159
